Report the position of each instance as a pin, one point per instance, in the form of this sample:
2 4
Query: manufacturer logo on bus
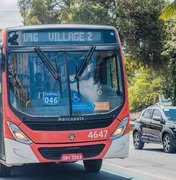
71 119
72 137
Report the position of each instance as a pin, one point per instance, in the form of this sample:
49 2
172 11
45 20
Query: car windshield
34 90
170 113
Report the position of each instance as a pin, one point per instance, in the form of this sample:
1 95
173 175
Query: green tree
41 11
144 88
140 29
24 7
169 15
88 12
170 52
169 12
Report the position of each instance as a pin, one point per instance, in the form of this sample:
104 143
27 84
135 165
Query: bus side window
1 70
2 151
0 93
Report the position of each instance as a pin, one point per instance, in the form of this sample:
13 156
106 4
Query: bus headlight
18 134
120 129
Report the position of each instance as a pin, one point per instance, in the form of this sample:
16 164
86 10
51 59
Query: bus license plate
72 157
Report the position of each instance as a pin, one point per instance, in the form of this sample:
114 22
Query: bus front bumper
19 153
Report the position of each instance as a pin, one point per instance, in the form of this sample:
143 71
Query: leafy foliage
88 12
170 53
145 85
42 11
169 15
141 30
169 12
24 6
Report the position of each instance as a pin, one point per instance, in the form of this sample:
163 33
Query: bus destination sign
60 36
43 37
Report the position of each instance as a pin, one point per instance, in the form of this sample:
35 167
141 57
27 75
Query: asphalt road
151 163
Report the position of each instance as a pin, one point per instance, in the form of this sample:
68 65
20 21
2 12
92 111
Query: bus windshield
34 91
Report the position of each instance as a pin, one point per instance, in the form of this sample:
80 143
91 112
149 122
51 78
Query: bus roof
60 26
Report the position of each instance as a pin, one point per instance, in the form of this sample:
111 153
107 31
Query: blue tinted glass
170 113
33 89
99 88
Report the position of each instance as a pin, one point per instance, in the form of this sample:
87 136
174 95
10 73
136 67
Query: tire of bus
92 165
4 171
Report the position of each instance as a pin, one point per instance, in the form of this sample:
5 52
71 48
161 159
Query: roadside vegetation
146 28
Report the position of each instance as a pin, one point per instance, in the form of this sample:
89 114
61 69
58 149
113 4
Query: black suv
156 124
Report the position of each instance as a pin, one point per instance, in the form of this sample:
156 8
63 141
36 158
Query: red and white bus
63 96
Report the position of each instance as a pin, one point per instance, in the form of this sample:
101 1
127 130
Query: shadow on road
59 172
157 150
153 149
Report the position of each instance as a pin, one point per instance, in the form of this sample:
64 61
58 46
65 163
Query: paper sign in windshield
101 106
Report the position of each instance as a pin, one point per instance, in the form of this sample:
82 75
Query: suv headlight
120 129
18 134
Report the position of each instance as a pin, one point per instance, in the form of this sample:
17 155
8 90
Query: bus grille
64 126
55 153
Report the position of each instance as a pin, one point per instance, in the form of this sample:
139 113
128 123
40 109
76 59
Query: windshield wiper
47 63
49 66
85 62
77 80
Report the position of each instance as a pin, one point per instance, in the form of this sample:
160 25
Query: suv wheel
92 165
167 144
138 144
4 171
